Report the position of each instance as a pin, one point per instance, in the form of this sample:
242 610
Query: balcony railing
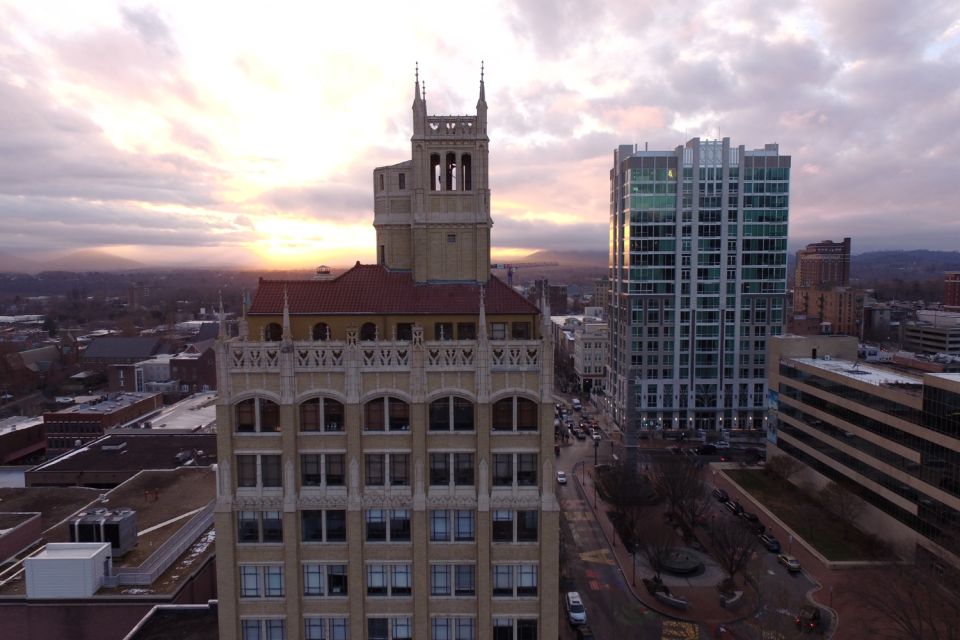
394 355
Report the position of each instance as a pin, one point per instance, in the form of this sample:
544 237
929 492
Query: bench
671 601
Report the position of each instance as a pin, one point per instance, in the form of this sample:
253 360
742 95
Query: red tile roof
373 289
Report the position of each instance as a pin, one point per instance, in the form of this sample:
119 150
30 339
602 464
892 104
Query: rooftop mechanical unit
116 526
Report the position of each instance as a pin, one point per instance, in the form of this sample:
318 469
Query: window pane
337 579
526 415
269 415
273 581
521 330
502 469
246 416
314 629
270 473
399 415
502 580
466 629
272 526
439 469
439 526
376 525
373 418
462 414
400 580
526 630
526 526
440 580
374 470
310 415
250 629
249 582
527 469
311 525
400 525
376 580
465 528
377 629
248 526
336 526
312 580
463 469
310 470
502 415
503 526
246 471
334 469
465 580
440 415
399 469
332 415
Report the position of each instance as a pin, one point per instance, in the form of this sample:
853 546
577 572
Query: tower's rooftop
374 289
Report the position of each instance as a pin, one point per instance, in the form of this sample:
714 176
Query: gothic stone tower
432 213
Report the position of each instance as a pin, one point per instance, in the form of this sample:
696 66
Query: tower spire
483 95
416 82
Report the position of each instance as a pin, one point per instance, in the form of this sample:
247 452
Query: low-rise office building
891 437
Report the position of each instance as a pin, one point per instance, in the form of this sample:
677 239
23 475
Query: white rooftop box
68 570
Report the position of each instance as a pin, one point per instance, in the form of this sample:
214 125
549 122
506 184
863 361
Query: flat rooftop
108 405
135 451
16 423
184 622
165 501
859 371
197 412
54 504
69 550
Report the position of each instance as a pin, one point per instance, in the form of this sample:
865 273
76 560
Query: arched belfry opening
466 172
451 178
435 172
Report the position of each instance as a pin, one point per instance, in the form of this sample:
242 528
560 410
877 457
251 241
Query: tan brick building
384 437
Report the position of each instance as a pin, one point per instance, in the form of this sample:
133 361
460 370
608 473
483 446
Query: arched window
451 413
321 414
466 172
451 171
514 414
273 332
435 172
321 331
368 332
257 415
386 414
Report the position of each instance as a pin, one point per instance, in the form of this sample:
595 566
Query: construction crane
513 266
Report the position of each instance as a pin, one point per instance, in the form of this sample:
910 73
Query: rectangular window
326 629
439 469
440 580
249 581
502 469
527 580
248 526
310 470
443 331
439 526
498 331
272 526
520 330
465 580
466 331
273 581
402 181
527 526
527 469
399 525
465 527
374 469
502 580
334 469
246 471
502 527
376 521
463 469
452 238
270 471
324 580
399 469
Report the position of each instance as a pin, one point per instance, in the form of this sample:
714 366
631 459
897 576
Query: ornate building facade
385 436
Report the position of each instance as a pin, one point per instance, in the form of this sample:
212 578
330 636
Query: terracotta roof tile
373 289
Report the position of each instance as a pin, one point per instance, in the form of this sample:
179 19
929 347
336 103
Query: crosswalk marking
598 556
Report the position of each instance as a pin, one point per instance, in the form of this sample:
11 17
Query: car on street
580 435
584 633
735 507
749 517
595 434
706 450
561 477
576 613
721 444
675 450
721 495
791 563
772 544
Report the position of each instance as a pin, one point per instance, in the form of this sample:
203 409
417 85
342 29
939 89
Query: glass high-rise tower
698 271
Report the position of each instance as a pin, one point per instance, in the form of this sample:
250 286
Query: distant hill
16 264
916 264
90 260
570 258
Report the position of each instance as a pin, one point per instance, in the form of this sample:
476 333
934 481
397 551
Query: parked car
721 444
706 450
735 507
579 434
595 434
808 619
721 495
561 477
675 450
791 563
749 517
771 543
576 613
584 633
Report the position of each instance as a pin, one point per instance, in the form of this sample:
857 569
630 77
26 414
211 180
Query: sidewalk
704 602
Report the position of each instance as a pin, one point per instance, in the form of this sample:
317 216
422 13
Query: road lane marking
598 556
594 585
577 516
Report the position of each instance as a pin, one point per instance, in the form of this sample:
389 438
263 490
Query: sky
245 133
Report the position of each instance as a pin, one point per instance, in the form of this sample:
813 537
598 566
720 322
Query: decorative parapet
383 355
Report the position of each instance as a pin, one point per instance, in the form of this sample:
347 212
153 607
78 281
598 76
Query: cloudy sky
245 133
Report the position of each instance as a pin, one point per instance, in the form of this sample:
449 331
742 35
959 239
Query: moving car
791 563
576 613
771 543
580 434
808 619
749 517
561 477
595 434
721 495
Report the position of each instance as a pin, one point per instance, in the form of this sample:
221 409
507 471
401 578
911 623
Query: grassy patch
807 517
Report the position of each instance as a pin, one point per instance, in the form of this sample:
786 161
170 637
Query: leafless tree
653 541
843 504
784 466
733 545
905 602
682 485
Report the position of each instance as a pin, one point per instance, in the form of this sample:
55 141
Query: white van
576 612
576 404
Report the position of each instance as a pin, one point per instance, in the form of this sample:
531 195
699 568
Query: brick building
90 420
